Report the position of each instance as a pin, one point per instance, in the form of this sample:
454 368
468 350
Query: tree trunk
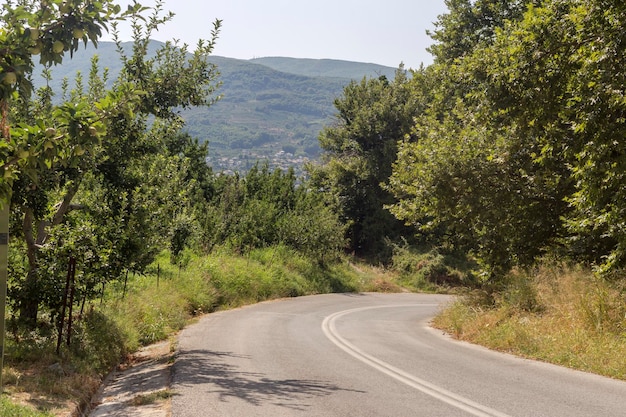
29 305
29 302
30 298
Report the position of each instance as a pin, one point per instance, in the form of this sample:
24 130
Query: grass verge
559 314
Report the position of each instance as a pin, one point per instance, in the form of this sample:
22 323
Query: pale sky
385 32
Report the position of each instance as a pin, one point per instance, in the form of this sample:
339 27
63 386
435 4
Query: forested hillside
271 109
326 67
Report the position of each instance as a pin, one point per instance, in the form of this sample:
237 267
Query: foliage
518 153
267 208
465 186
580 95
96 198
469 24
49 30
372 116
428 269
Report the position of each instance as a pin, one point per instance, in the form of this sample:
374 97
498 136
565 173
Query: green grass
431 270
9 409
562 315
153 307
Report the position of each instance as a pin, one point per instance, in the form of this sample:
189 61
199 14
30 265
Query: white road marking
465 404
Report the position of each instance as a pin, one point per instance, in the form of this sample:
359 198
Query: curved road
366 355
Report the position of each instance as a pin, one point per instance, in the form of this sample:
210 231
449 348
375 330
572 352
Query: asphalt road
366 355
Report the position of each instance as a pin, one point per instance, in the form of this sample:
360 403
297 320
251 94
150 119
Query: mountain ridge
325 67
271 109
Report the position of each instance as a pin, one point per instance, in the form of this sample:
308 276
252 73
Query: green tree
95 169
50 30
358 152
563 67
468 24
465 186
473 176
267 208
521 151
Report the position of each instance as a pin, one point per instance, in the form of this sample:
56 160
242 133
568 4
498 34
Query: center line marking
448 397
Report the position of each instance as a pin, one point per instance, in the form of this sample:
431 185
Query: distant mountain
325 67
272 108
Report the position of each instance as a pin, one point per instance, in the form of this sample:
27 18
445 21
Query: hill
325 67
271 108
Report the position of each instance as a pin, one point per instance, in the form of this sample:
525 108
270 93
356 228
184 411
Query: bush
520 293
422 269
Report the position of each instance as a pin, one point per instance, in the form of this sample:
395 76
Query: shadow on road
228 381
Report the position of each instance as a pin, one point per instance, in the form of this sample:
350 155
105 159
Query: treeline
510 147
264 209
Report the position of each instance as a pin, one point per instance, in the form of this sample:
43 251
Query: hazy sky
384 32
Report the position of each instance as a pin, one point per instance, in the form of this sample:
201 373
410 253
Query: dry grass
577 320
52 392
376 279
151 398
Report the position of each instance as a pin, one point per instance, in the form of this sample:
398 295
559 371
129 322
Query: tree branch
62 208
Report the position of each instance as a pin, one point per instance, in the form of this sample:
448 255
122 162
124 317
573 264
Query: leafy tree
563 65
95 170
267 208
464 185
472 177
358 151
468 24
520 151
49 30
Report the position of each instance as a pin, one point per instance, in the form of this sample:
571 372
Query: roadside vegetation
153 307
560 314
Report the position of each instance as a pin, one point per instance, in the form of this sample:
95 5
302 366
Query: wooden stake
4 266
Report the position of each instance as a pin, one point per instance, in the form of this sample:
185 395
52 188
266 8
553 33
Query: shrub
422 269
520 292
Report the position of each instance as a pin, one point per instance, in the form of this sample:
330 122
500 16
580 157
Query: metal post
4 266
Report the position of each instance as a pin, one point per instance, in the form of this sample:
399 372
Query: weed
564 315
8 409
151 398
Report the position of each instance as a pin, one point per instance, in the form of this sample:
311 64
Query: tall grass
429 269
559 314
9 409
153 307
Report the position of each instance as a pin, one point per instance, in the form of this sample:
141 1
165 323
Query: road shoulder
140 388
